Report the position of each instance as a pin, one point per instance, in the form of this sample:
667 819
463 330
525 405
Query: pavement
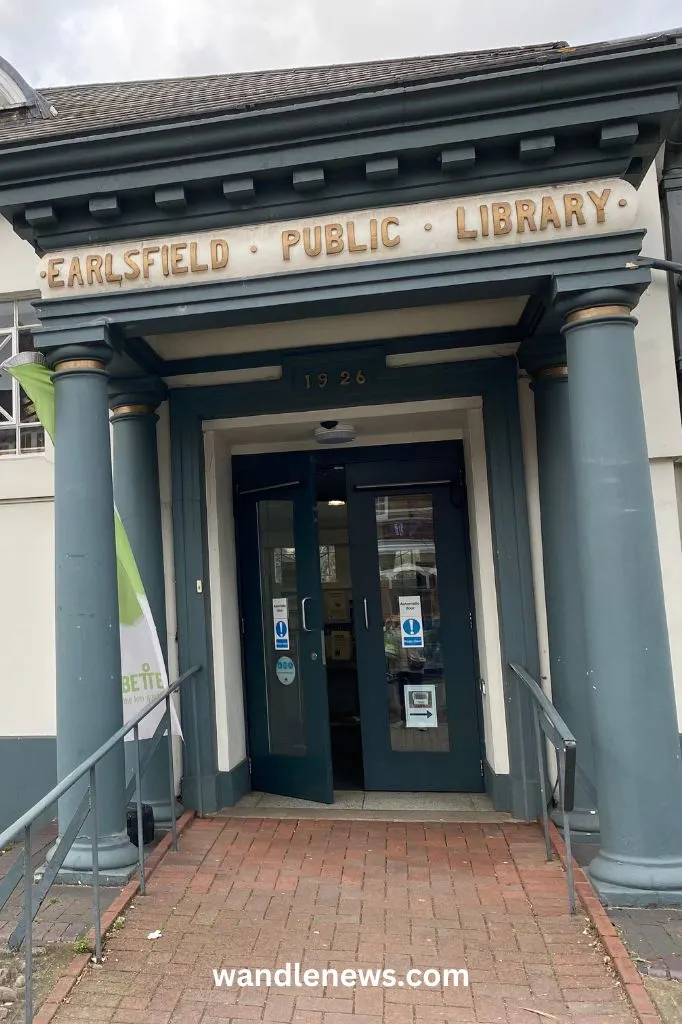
260 893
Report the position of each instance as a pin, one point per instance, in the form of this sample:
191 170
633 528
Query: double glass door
409 636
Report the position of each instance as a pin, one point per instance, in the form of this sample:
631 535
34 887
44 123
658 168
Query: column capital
80 358
548 375
543 356
135 396
606 303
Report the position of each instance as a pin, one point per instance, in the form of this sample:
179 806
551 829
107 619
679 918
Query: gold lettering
485 221
352 244
386 240
600 203
93 269
550 214
462 231
109 274
310 248
177 255
373 234
148 258
53 272
289 240
333 239
195 266
220 253
573 207
133 271
165 266
502 224
525 215
75 272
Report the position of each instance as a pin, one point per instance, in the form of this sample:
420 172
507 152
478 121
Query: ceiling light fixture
334 432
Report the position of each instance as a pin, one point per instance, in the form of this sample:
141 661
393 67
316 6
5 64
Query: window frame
14 424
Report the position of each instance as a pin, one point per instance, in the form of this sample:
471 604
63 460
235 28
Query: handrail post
95 864
28 928
138 801
567 832
541 774
197 758
171 773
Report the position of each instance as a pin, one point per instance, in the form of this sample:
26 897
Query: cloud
94 40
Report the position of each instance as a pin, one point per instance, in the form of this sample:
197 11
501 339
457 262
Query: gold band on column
552 372
132 410
69 365
594 312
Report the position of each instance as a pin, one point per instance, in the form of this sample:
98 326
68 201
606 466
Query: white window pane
32 439
6 314
8 440
26 314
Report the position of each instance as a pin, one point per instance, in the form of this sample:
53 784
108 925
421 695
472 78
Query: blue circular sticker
286 671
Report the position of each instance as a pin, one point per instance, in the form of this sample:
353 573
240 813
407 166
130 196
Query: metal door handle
306 627
364 604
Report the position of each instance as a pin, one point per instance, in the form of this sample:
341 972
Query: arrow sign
421 714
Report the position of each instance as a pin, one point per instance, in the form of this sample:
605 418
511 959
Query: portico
391 293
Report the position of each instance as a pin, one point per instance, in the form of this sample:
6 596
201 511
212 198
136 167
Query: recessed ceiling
334 330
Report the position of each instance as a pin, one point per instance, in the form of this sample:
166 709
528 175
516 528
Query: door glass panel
408 569
281 628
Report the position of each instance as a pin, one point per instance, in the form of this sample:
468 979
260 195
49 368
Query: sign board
411 622
285 671
280 618
440 227
420 706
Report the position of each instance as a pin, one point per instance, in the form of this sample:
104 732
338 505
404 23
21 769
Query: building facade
393 406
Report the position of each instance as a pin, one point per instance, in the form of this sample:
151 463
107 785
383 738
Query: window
20 432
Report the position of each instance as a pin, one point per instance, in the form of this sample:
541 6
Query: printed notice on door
411 622
280 618
420 706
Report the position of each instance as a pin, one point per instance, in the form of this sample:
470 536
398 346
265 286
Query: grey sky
93 40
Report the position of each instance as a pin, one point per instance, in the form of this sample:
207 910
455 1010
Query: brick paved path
67 912
259 893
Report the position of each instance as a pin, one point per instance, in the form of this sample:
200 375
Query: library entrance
358 626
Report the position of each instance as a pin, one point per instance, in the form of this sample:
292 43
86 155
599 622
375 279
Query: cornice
599 116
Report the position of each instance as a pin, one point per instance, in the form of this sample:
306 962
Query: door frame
267 473
492 383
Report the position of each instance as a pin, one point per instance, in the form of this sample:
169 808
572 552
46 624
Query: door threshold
357 805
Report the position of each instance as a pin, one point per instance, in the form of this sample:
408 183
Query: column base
583 824
116 854
622 896
114 878
637 882
162 812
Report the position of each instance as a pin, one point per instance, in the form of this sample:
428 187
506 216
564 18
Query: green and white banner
143 669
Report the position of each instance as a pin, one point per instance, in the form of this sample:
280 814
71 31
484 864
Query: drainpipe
671 202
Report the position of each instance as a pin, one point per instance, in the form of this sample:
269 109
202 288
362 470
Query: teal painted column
563 597
138 500
88 660
636 742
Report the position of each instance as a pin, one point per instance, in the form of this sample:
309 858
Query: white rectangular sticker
280 618
420 706
411 622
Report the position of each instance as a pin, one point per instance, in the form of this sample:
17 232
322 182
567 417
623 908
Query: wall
27 664
661 404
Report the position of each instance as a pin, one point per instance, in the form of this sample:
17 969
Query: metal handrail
547 719
88 807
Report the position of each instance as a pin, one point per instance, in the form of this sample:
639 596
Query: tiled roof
88 109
